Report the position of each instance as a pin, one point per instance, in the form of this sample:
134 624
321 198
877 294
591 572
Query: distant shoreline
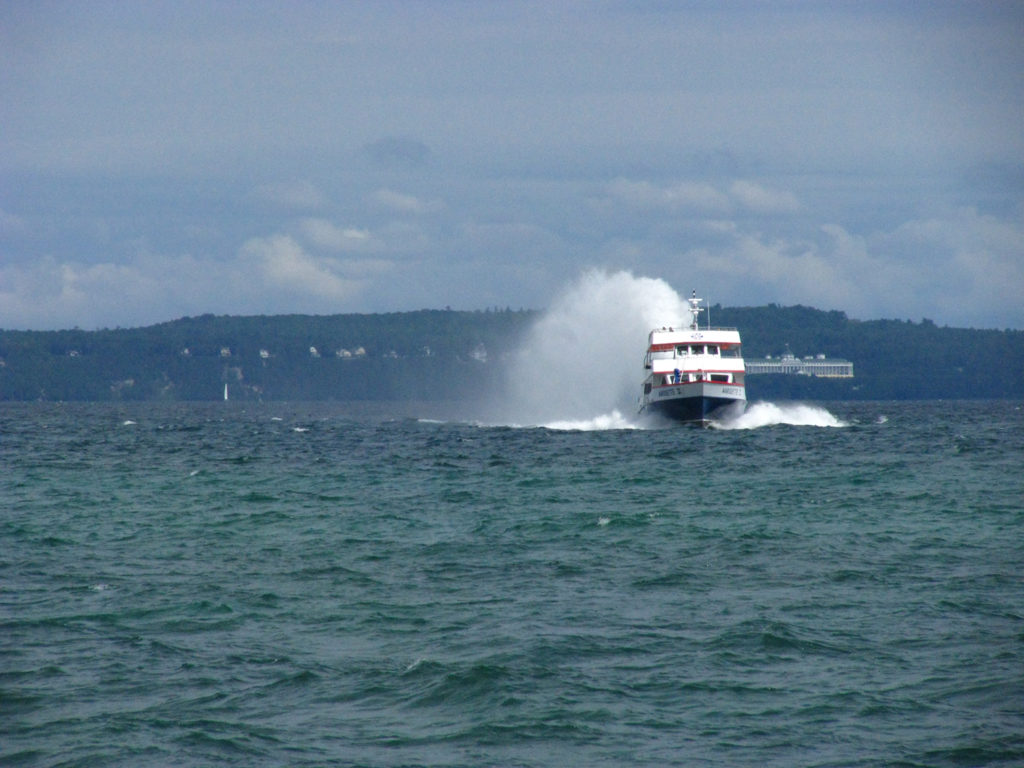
438 355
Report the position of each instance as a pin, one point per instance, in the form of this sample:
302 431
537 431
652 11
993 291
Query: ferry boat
693 374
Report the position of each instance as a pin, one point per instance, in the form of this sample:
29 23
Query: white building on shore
819 365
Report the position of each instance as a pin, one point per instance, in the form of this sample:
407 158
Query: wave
756 415
765 414
613 420
759 414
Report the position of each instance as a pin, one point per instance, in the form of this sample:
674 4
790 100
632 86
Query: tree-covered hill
427 354
444 354
893 359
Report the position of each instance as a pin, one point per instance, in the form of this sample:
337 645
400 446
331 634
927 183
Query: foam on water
764 414
613 420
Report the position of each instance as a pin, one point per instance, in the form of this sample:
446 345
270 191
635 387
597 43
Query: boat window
720 377
712 349
696 349
681 349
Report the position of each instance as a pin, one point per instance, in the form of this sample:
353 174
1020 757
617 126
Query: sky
176 158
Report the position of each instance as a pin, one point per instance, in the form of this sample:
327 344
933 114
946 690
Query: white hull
697 402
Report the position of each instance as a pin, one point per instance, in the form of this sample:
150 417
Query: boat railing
702 328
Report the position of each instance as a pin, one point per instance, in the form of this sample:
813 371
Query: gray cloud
290 194
403 203
384 156
325 234
396 151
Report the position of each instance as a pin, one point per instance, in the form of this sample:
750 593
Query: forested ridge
445 354
428 354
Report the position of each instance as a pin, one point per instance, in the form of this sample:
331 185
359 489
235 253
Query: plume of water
581 362
579 367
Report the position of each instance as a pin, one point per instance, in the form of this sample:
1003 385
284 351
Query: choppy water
199 585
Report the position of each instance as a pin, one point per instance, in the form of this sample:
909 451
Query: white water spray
580 365
764 414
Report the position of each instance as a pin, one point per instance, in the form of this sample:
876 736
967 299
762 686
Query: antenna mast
694 311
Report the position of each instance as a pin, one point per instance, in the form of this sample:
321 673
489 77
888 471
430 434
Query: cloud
398 152
841 271
789 156
271 275
975 262
52 293
28 292
401 203
284 265
508 243
323 234
11 224
682 196
702 197
290 194
965 269
759 199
